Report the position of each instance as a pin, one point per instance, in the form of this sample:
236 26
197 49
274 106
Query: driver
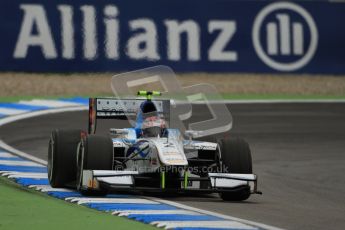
153 126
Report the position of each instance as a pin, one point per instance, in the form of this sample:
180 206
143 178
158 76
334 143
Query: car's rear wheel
94 153
236 158
62 157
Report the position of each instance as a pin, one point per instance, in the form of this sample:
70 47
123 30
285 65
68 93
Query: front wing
124 181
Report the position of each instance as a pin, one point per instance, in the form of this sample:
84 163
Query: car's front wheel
236 158
94 153
62 157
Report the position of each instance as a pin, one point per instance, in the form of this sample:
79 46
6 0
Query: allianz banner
187 35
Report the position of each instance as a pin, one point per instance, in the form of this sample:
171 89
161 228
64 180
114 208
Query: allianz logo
278 33
142 41
284 41
85 32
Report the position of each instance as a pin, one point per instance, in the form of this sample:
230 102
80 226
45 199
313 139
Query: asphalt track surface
298 153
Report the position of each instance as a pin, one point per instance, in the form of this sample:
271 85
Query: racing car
148 156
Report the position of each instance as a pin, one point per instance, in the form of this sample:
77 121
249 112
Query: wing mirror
118 132
193 134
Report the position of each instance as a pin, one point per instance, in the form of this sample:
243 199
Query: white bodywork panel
111 172
200 145
230 180
119 134
115 107
162 151
110 177
118 180
170 151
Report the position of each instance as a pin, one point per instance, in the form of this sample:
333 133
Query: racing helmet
153 126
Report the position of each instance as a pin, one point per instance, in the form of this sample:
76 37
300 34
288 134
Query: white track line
27 175
14 118
49 103
7 155
19 163
201 224
226 217
153 212
8 111
23 174
43 188
48 188
17 152
85 200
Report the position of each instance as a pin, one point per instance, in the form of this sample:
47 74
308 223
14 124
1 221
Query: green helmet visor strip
148 94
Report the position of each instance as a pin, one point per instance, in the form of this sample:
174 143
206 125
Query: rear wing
122 109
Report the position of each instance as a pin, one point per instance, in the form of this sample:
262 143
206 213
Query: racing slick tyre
236 157
94 153
62 157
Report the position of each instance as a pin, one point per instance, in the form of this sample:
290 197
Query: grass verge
23 208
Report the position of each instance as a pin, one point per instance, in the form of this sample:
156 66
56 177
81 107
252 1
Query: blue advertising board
187 35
